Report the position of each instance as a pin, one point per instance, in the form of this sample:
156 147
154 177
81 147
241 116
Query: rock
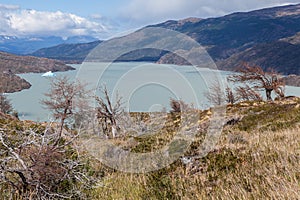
233 120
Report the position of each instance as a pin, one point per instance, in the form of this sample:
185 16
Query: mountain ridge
69 53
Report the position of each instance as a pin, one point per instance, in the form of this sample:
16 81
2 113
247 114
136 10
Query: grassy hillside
256 165
257 157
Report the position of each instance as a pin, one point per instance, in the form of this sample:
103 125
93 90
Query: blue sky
103 19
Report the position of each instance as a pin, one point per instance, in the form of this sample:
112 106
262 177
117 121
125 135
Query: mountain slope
236 32
282 56
25 64
67 52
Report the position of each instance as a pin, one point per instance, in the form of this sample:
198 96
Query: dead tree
33 166
63 99
107 112
257 78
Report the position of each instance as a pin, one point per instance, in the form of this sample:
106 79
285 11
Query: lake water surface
143 86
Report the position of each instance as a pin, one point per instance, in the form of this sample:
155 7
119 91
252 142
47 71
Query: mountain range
268 37
27 45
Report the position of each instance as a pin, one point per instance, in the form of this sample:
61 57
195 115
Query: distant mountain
10 65
269 37
27 45
69 53
76 53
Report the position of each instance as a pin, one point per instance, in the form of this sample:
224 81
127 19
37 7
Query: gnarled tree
257 78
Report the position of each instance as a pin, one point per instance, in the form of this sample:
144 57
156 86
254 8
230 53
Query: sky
108 18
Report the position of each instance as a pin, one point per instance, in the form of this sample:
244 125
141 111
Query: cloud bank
18 22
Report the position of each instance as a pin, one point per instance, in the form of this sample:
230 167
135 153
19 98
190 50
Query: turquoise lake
144 87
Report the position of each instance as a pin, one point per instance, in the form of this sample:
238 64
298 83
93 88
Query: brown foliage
246 93
260 79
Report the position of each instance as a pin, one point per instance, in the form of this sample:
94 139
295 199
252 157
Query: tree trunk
114 131
268 94
114 126
61 127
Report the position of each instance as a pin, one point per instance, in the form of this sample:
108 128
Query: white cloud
14 21
9 7
145 11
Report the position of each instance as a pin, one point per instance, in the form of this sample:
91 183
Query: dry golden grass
257 165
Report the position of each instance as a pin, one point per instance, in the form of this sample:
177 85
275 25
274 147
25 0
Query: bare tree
5 105
259 79
107 112
63 99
